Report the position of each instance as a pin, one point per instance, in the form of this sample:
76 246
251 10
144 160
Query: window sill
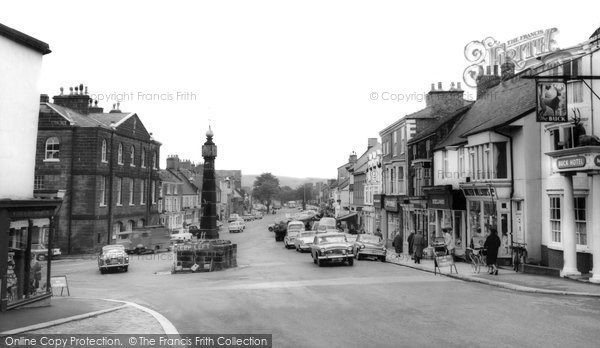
52 160
102 205
119 204
132 165
104 162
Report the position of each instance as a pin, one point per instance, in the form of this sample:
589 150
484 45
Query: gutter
110 187
71 193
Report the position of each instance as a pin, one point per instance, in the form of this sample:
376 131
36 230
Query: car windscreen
108 248
369 239
332 239
306 234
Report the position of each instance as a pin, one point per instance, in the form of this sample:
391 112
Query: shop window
458 217
555 221
52 149
475 218
580 220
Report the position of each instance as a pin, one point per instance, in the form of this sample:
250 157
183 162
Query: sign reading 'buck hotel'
571 162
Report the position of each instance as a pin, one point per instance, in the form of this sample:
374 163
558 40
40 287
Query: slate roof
434 124
505 103
166 176
92 120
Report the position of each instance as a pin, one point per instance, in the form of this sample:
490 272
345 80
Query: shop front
393 214
26 236
488 207
446 209
414 218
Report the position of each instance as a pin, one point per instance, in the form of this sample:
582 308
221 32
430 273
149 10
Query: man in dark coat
418 245
410 239
398 243
492 244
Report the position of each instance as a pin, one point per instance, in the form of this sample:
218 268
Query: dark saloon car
369 245
331 247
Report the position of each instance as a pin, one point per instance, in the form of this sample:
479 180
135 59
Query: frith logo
522 51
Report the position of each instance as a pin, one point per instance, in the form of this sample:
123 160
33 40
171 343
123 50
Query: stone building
105 165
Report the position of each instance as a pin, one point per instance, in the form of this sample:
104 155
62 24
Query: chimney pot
70 90
439 86
459 86
61 91
81 88
433 86
495 69
488 70
86 92
452 88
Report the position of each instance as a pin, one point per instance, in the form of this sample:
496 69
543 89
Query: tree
266 187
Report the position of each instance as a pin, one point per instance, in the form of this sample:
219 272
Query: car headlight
322 251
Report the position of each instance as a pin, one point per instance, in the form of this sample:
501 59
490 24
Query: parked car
236 226
293 229
113 257
248 217
327 224
351 238
331 247
304 240
258 215
40 251
181 236
233 217
370 246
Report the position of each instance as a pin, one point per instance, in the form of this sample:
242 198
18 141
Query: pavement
507 278
72 315
76 315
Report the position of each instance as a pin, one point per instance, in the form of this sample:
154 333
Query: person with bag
492 244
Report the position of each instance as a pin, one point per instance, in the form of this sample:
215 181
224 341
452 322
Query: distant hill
248 180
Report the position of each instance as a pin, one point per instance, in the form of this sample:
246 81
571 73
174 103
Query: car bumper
335 257
371 252
304 247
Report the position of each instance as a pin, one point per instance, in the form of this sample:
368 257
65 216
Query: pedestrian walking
492 244
410 239
418 246
397 243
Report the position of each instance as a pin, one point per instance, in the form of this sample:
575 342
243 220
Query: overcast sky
287 85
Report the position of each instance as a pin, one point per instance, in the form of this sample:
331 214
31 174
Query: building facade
25 222
105 165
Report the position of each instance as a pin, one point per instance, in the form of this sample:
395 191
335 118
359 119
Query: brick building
104 165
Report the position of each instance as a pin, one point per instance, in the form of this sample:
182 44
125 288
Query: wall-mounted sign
377 200
391 203
522 51
570 162
597 160
551 102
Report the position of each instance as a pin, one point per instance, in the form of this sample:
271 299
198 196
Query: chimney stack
444 102
487 81
352 158
77 101
371 142
44 98
173 162
508 70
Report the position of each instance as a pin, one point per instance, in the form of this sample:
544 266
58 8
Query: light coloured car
331 247
369 245
233 217
327 224
236 226
293 230
41 252
113 257
304 240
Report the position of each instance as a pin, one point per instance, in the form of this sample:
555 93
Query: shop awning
347 216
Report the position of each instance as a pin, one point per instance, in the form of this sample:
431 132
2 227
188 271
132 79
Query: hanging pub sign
391 203
551 101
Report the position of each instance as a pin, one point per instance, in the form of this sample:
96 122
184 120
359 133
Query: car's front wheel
102 271
350 262
320 262
125 269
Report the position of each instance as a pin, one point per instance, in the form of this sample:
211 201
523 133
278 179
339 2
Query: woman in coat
411 236
418 246
398 243
492 244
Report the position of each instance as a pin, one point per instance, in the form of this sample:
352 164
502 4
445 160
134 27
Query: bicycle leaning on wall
519 256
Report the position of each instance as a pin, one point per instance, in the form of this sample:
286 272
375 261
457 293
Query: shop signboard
60 282
582 162
377 200
440 202
391 203
444 261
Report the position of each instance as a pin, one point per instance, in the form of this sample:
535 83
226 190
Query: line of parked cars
326 244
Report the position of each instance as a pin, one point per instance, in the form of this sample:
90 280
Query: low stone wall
204 256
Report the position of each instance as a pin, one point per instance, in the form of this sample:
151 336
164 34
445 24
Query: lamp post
208 222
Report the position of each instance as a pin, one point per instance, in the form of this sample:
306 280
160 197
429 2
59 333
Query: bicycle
477 259
519 255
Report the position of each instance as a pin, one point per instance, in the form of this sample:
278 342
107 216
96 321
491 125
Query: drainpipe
71 193
110 187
